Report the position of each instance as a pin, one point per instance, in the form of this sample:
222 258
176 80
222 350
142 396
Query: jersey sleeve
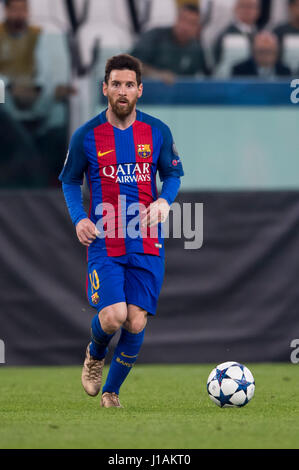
169 162
170 188
76 160
74 201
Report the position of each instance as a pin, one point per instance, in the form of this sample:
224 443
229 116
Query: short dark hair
122 62
292 2
190 7
7 2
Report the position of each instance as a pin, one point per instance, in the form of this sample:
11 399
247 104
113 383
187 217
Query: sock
100 339
124 358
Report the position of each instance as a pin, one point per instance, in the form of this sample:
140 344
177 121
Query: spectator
264 62
292 26
18 67
169 52
246 13
28 102
181 3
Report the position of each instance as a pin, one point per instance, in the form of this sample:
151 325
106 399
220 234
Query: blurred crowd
40 87
247 47
33 119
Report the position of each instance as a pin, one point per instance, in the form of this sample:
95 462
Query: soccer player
120 152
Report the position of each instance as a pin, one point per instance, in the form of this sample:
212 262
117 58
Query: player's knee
110 323
136 325
113 317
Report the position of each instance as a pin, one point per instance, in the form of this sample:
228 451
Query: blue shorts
134 278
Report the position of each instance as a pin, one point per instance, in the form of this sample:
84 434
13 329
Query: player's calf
136 319
91 377
124 358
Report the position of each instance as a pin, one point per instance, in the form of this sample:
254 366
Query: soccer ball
230 385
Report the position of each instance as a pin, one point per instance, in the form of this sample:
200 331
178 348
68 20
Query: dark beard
122 111
16 26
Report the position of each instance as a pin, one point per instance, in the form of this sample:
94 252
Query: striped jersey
121 168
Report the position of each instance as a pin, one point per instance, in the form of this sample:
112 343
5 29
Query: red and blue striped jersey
121 167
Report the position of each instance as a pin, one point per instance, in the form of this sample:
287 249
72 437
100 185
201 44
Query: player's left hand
86 231
156 212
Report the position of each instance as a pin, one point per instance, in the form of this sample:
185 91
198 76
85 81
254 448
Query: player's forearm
74 201
150 71
166 76
170 189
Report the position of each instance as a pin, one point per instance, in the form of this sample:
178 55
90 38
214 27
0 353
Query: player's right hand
86 231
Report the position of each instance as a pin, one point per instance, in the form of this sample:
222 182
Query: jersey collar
103 118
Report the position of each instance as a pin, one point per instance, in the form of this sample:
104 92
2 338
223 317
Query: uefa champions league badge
175 162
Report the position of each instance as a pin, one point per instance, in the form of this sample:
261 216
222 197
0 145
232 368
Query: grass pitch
166 407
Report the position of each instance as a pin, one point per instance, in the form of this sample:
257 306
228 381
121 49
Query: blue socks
125 354
124 358
100 339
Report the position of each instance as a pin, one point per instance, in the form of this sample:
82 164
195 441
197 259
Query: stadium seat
112 40
51 15
109 23
236 48
220 17
54 70
278 13
58 62
290 50
162 13
110 13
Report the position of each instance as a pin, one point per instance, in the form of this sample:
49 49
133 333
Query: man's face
247 11
187 26
265 51
122 92
294 11
17 14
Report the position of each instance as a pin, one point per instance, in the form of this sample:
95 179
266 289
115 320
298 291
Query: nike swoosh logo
101 154
125 355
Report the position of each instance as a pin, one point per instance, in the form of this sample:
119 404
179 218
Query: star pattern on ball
242 384
224 399
220 375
